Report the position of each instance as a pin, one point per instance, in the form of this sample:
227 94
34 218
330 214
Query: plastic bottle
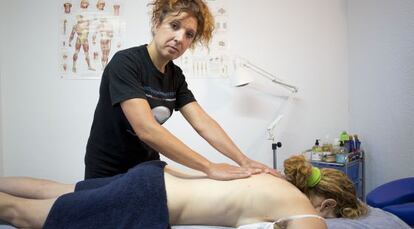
357 143
351 144
345 139
341 155
344 136
327 148
336 147
342 147
317 151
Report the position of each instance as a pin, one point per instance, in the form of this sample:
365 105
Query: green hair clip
315 177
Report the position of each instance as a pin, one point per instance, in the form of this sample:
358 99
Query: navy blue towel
136 199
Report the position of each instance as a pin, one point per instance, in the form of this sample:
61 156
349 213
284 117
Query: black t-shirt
113 147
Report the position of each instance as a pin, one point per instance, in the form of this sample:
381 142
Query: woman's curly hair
195 8
333 184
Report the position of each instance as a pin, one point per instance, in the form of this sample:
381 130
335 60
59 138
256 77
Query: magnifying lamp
242 76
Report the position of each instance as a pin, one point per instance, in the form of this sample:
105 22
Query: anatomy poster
90 33
215 61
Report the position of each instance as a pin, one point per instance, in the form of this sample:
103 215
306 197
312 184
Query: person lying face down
330 191
188 199
263 198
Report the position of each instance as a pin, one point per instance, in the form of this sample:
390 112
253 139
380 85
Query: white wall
1 128
46 120
381 79
2 31
302 42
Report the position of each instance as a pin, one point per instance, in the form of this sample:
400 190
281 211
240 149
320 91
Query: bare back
233 203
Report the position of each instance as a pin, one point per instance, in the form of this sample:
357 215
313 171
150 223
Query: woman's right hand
223 171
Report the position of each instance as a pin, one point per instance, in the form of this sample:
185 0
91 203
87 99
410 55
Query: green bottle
344 137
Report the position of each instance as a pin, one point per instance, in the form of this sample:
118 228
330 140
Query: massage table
376 218
133 205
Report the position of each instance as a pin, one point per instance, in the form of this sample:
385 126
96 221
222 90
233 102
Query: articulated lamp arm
268 75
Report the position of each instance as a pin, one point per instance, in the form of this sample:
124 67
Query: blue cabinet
354 168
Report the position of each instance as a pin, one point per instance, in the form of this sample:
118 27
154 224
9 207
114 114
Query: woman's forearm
170 146
218 138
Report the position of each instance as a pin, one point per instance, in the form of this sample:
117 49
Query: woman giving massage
159 196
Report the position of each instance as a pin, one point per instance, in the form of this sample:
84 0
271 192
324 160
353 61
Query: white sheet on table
376 218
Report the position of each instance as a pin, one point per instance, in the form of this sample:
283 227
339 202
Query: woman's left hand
257 167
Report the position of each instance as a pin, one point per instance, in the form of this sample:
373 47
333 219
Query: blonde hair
333 184
196 8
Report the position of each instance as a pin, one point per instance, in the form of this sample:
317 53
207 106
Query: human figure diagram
81 30
95 22
106 32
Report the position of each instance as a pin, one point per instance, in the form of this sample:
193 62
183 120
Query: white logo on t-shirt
161 114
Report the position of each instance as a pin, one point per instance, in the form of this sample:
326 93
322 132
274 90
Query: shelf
353 169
